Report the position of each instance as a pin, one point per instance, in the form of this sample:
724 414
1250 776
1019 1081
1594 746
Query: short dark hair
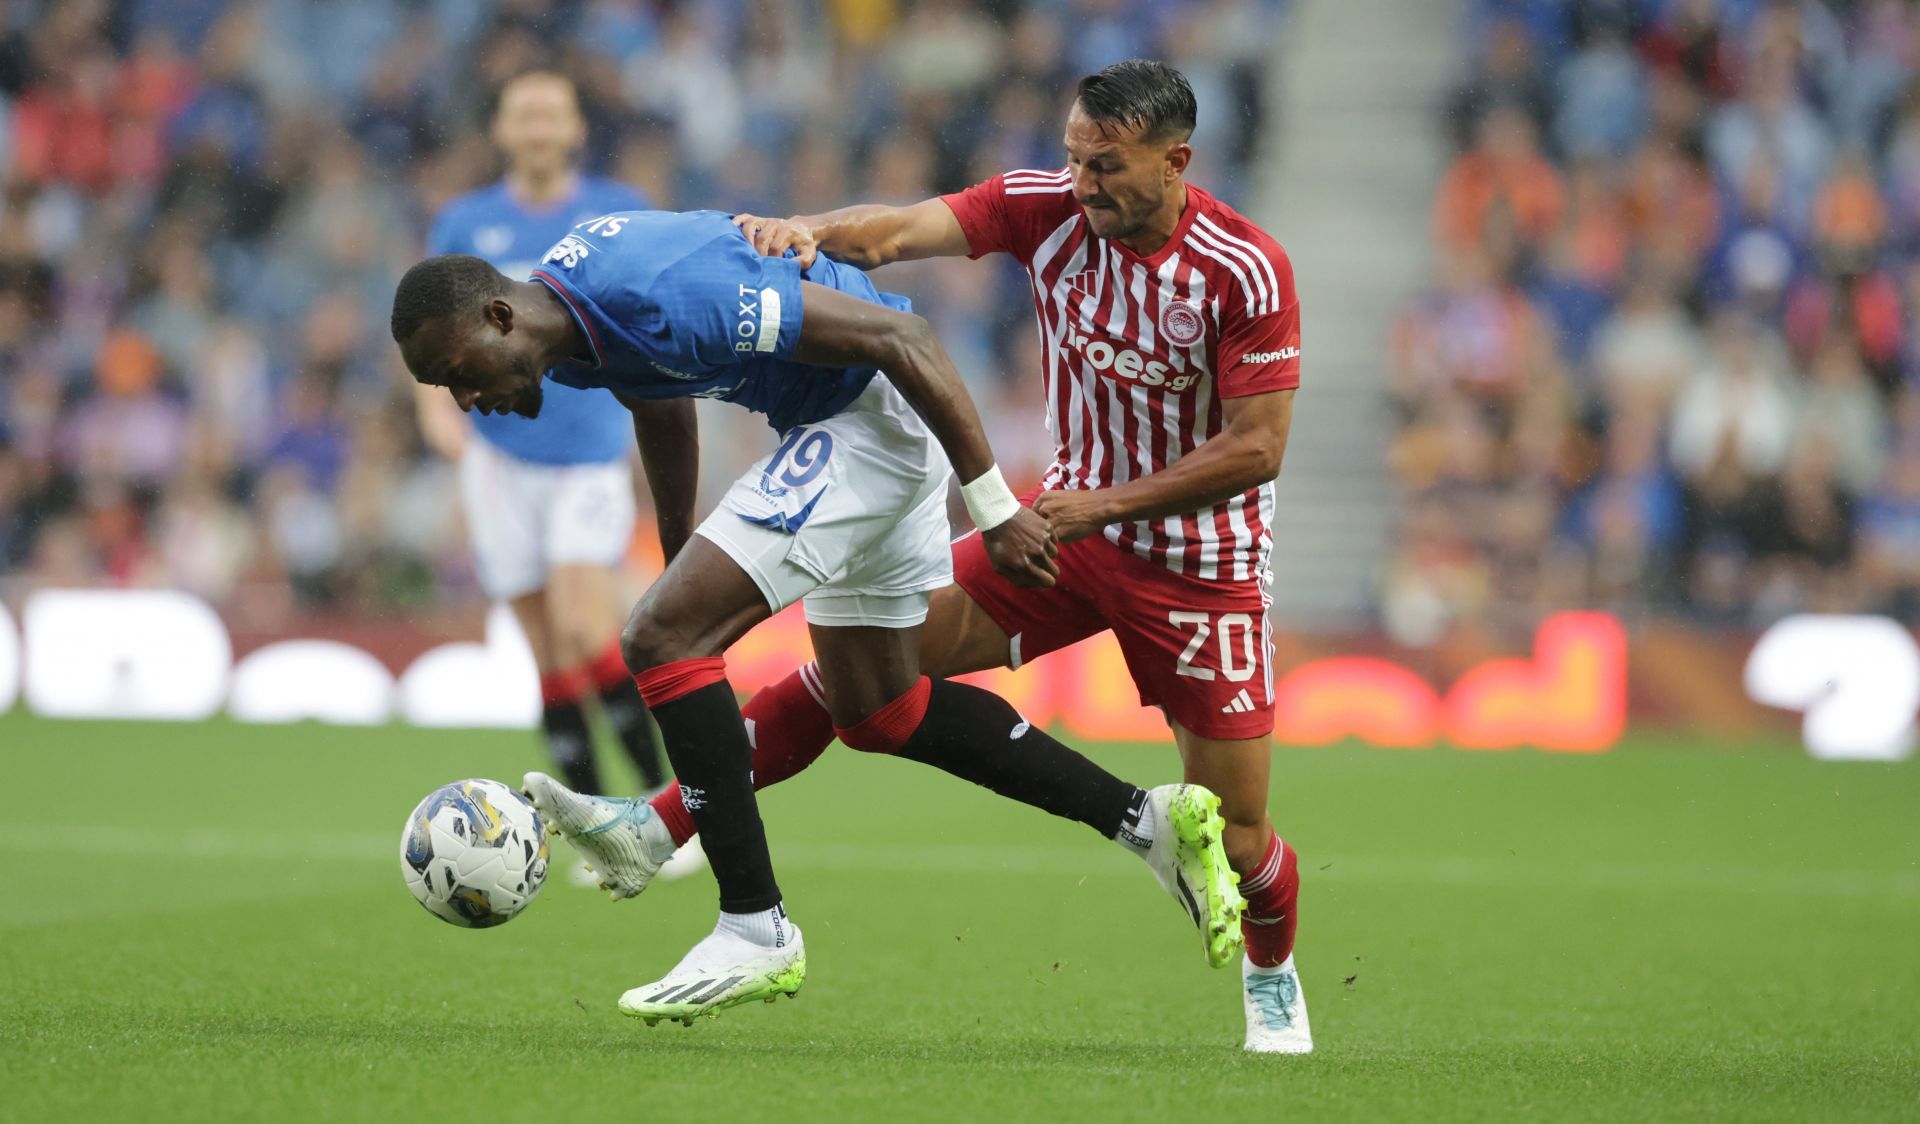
1140 93
447 285
498 97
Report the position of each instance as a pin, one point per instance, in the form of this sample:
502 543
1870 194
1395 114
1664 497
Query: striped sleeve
1260 353
1260 319
1012 212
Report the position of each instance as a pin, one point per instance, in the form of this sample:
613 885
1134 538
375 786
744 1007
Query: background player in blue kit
549 501
847 515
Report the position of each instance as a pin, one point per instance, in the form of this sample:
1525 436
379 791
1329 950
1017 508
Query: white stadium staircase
1346 187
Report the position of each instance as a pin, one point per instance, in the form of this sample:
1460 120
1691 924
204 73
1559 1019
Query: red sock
890 727
608 669
1272 891
789 728
558 688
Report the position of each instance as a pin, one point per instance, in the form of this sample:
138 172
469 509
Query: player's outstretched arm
864 236
837 330
669 434
1245 455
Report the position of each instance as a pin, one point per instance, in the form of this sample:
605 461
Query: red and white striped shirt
1141 351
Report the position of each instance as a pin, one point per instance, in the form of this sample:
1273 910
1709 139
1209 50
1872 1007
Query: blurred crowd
1670 361
204 206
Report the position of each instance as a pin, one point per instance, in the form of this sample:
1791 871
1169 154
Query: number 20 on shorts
1235 640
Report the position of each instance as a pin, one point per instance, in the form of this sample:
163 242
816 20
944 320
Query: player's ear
499 314
1177 159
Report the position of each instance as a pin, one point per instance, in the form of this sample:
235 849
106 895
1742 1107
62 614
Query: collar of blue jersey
572 302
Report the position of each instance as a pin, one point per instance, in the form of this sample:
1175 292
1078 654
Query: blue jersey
682 306
574 426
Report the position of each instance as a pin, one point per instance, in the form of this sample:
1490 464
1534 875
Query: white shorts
848 516
526 518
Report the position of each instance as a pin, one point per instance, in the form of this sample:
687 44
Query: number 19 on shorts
1233 637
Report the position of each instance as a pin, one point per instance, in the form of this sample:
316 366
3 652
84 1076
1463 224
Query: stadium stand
1668 362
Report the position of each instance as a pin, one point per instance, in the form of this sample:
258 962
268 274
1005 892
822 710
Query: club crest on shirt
1181 323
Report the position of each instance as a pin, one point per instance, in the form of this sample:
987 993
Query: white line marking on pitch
1544 873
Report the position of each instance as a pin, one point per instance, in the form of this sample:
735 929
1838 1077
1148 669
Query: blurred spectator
1627 522
1738 404
1508 75
1476 335
1646 350
1600 110
128 430
1806 533
1690 44
1890 536
203 540
1772 121
1503 172
1758 255
1584 261
1841 407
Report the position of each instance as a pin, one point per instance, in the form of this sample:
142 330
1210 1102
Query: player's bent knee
646 642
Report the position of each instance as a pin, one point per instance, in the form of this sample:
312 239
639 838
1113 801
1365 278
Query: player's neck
1158 229
551 326
540 188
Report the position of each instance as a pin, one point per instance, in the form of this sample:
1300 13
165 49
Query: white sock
1136 828
768 928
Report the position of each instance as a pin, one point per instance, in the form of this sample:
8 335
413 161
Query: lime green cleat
1190 862
721 971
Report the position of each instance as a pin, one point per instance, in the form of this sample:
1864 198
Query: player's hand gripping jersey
1140 351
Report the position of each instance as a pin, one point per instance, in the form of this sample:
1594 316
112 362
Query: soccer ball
474 853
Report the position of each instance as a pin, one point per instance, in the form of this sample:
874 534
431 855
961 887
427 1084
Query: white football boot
1276 1009
623 841
1190 863
722 971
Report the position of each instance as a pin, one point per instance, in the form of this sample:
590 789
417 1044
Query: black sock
627 713
571 745
976 736
707 742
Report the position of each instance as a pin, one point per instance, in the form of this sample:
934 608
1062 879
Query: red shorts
1197 649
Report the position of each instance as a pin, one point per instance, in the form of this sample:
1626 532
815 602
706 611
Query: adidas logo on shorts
1241 703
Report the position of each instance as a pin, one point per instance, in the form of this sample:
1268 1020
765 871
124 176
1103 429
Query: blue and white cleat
1276 1010
721 971
1190 863
623 842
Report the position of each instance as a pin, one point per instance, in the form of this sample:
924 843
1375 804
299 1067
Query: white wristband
989 501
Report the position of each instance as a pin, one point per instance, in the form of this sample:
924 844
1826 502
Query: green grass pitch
208 923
